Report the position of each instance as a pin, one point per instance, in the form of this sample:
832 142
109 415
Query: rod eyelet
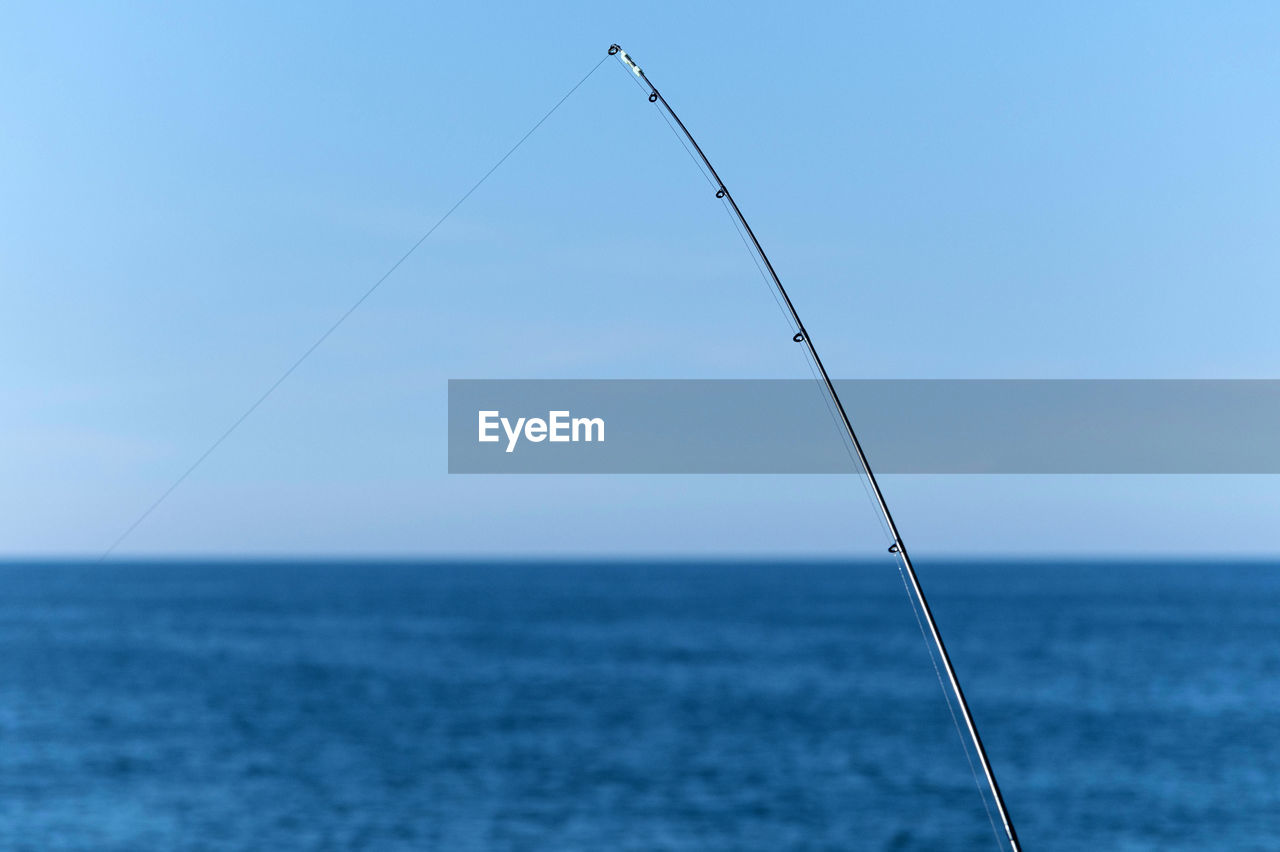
613 50
798 337
720 193
653 97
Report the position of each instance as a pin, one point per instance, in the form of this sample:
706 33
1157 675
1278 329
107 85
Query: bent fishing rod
802 336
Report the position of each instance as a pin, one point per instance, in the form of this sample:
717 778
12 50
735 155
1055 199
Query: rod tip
616 50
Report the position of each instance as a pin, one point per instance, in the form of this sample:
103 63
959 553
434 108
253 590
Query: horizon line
679 557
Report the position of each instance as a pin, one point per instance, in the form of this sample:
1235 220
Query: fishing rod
802 336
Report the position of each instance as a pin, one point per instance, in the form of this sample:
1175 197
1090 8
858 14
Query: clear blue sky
190 195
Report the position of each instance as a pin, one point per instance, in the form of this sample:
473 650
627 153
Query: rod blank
803 336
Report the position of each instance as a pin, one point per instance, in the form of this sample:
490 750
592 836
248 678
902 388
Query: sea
631 705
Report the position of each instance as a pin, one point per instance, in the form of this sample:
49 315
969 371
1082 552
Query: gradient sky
189 196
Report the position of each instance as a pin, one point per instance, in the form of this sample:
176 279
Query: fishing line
964 746
755 260
710 182
846 445
791 323
702 171
773 294
906 569
341 319
860 472
859 468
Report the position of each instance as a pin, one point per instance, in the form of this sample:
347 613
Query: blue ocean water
645 706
